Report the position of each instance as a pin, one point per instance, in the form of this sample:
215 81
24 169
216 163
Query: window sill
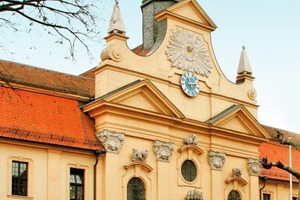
19 197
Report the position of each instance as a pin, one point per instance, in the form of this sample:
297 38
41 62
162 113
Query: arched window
135 189
189 170
234 195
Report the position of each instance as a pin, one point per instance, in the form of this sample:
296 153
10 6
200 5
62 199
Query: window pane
19 178
266 196
135 189
79 193
234 195
72 192
79 179
72 178
76 184
189 170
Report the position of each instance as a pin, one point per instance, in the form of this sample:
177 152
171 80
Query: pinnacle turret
116 24
244 64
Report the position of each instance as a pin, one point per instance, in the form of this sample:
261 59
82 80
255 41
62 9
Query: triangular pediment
189 10
143 95
237 118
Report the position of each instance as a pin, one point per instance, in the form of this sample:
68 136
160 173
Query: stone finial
194 194
112 141
237 172
163 150
191 140
116 24
139 155
216 160
244 64
254 166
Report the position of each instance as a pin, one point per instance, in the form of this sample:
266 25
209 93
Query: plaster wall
48 171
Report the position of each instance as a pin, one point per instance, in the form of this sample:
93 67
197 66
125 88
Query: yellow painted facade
149 127
143 100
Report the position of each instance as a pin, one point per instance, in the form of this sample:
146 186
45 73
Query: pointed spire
244 65
116 24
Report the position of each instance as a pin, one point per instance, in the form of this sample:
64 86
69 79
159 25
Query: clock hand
189 80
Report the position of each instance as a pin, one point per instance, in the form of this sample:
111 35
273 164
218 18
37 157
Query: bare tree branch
71 20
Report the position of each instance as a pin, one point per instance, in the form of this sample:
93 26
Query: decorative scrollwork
237 172
191 140
216 160
139 155
252 94
254 166
111 140
188 51
163 150
194 195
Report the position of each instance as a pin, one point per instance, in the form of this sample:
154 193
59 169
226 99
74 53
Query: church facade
157 122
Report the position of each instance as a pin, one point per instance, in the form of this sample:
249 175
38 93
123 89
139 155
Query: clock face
189 84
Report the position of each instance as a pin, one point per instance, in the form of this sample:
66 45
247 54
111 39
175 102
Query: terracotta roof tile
45 118
11 72
275 151
140 51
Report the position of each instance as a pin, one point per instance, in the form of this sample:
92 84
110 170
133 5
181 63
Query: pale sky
269 29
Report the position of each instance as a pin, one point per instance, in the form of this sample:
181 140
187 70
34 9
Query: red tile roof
44 118
16 73
275 151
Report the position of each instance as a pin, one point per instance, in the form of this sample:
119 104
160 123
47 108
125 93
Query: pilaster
54 175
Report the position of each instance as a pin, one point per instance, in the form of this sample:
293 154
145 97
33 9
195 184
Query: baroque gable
141 96
196 14
238 119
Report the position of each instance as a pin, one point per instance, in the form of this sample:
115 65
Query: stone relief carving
111 52
216 160
139 155
188 51
194 195
191 140
111 140
252 94
237 172
163 150
254 166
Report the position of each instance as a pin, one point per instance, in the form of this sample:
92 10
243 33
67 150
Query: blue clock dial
189 84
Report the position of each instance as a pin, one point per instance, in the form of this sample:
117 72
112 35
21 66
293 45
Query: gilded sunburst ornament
188 51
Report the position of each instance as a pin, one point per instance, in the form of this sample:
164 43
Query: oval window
189 170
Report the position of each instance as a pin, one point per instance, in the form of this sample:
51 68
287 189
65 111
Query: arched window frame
237 184
193 153
139 170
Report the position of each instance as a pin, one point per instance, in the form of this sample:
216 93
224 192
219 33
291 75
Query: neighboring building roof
15 73
34 109
45 118
275 151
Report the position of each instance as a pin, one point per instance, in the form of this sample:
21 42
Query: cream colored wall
165 181
279 189
120 66
48 170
